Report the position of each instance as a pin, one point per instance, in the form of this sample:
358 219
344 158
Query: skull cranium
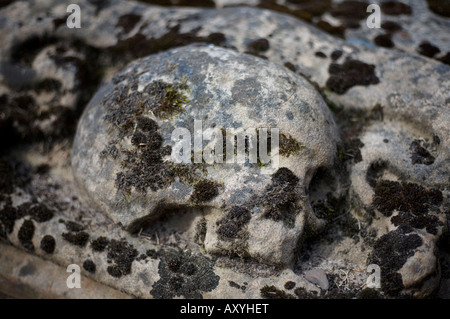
122 150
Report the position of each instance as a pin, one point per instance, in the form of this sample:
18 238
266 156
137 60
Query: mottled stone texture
137 113
375 170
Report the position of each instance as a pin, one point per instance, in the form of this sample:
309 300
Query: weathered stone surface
249 209
390 104
408 25
402 178
133 265
26 276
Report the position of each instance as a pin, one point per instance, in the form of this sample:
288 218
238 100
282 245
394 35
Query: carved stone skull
123 154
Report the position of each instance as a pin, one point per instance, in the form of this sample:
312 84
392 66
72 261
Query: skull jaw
262 239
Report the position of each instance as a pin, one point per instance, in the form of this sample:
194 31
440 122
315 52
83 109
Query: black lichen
124 105
369 293
26 119
349 74
302 293
24 52
304 10
290 66
384 40
38 212
7 177
338 31
143 46
13 174
428 222
350 12
289 285
258 45
404 197
89 266
271 292
128 21
375 172
78 239
99 5
320 54
328 208
391 252
236 285
391 26
123 254
233 222
72 226
333 293
25 235
282 196
42 169
395 8
5 3
204 191
153 254
350 149
8 217
166 100
427 49
110 150
419 154
289 145
445 59
183 274
48 244
182 3
200 231
100 244
336 54
143 167
440 7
